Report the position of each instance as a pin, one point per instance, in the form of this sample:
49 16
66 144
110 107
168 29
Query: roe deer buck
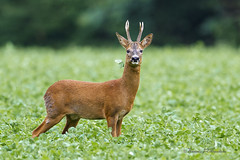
110 100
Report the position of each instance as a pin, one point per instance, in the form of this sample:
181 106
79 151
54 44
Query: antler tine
141 26
127 31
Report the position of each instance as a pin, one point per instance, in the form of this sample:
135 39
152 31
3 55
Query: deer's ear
122 40
146 41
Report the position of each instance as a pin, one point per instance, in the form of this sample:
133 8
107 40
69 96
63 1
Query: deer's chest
122 113
124 110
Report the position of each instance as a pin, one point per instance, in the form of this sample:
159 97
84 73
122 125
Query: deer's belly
88 111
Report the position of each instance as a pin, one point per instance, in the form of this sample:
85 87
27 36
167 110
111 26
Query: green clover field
187 105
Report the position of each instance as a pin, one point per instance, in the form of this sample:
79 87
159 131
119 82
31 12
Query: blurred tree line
62 22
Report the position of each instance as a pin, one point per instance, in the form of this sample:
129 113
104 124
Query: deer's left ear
146 41
122 40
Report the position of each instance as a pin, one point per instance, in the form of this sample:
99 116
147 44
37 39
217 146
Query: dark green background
80 22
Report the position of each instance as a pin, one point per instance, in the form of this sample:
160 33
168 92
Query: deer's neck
130 80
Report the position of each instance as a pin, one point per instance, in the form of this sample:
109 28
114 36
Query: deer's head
134 49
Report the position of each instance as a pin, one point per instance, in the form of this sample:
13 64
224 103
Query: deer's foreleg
112 122
119 125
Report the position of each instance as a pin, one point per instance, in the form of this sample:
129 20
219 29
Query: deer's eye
141 51
128 51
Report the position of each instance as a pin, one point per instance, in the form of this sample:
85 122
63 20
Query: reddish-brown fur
110 100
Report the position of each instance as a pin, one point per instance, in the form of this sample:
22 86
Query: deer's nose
135 59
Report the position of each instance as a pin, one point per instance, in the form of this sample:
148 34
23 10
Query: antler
141 26
127 31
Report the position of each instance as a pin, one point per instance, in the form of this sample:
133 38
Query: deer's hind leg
54 116
47 124
72 121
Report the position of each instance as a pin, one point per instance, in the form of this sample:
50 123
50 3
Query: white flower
131 153
118 61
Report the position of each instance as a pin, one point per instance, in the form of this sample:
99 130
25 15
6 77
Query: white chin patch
135 62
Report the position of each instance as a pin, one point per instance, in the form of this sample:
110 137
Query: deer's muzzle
135 59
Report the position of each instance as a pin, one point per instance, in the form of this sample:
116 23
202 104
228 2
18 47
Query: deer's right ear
122 40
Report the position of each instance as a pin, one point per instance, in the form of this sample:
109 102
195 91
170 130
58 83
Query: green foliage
187 106
58 22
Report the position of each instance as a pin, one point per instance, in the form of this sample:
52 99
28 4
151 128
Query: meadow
187 106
